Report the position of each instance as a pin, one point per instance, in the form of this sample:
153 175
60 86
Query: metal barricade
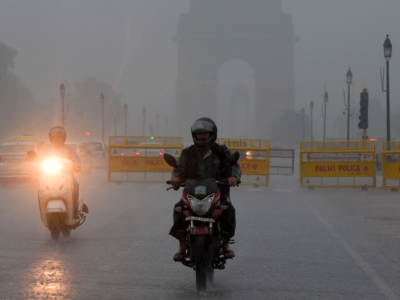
337 164
390 165
141 158
254 159
281 162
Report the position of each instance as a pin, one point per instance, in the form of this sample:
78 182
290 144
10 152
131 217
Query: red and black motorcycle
202 208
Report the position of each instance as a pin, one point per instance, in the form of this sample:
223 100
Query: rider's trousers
76 195
227 220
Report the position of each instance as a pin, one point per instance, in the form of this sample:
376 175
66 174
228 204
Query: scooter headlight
51 165
201 207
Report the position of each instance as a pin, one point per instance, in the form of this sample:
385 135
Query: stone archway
215 31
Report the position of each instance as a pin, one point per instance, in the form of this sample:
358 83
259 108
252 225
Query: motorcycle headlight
201 207
51 165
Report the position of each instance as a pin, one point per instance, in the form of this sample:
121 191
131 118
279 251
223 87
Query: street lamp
303 111
157 116
62 93
387 51
311 109
102 100
349 81
126 112
326 97
144 120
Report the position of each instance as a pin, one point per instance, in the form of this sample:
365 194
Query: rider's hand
233 181
174 181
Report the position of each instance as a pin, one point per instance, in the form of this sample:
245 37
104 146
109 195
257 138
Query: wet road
290 244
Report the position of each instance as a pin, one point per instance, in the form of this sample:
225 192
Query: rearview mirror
170 160
31 154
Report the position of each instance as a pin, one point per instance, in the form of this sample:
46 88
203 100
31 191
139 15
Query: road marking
379 282
254 190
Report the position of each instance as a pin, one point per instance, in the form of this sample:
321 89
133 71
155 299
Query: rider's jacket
63 152
202 164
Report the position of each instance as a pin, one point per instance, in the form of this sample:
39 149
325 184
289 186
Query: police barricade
391 165
254 159
141 158
337 164
281 162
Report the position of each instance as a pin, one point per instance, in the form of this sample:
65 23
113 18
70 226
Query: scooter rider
58 136
201 161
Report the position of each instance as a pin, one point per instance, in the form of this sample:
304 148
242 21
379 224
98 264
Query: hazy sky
128 44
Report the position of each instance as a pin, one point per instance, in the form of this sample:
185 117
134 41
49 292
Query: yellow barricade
254 159
391 165
141 158
337 164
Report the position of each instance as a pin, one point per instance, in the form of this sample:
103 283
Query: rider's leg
76 196
227 224
178 229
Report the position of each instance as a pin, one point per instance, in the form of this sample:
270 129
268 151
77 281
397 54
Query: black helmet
204 125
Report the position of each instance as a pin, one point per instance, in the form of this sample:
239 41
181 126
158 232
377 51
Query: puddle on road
47 279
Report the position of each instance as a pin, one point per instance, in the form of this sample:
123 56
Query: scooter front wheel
55 234
66 232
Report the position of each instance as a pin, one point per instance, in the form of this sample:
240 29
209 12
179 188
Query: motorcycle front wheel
201 266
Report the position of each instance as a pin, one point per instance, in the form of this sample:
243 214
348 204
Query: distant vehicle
152 152
13 157
99 154
83 154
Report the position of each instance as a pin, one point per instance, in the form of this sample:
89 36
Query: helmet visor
202 126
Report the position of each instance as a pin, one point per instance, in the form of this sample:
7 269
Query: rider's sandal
179 257
229 254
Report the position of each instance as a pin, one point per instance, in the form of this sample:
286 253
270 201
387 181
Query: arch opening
236 99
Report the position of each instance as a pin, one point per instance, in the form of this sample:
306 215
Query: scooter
56 194
202 209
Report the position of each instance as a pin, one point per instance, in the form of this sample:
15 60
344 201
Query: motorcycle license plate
208 220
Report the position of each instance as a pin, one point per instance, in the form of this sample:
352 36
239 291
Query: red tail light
122 154
137 153
79 154
161 153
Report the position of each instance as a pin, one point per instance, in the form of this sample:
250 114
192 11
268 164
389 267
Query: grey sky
128 44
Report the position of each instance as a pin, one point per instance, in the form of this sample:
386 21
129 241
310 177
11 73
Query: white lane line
284 190
379 282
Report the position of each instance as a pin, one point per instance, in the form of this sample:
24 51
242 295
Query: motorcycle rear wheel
201 267
210 274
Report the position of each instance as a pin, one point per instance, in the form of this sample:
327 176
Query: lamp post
387 51
349 80
303 112
326 97
311 109
144 120
157 116
126 113
115 125
102 100
62 93
166 126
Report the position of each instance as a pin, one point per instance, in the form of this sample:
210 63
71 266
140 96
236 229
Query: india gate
216 31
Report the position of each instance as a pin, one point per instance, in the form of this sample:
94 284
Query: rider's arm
182 163
76 161
235 170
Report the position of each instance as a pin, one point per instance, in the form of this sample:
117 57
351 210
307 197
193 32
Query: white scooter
55 195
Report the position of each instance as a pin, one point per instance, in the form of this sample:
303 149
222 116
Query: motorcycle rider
201 161
58 136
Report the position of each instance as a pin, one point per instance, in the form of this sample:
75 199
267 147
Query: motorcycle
56 194
202 209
